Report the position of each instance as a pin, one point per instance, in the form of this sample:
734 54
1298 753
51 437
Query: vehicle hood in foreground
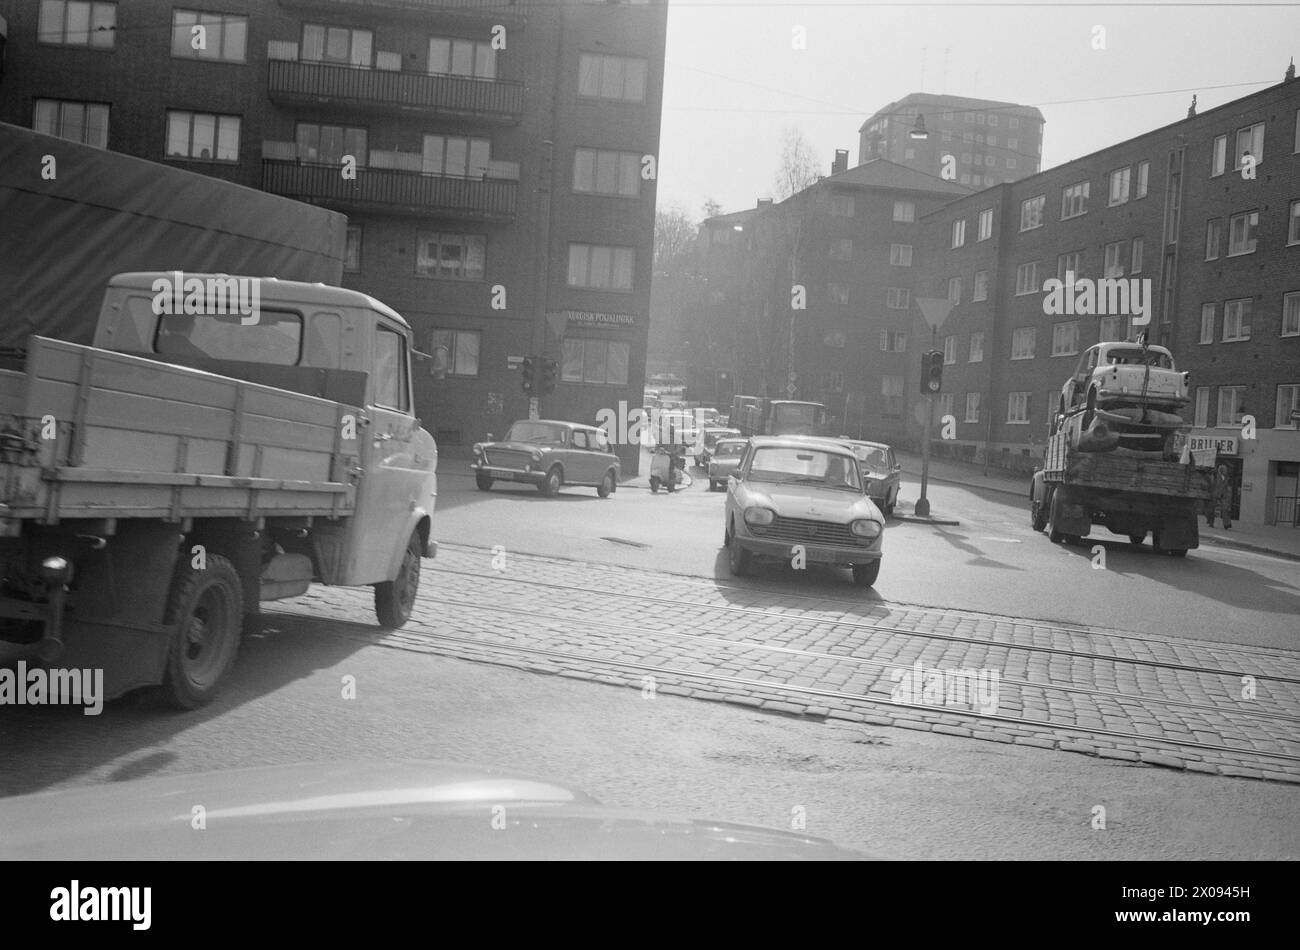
368 811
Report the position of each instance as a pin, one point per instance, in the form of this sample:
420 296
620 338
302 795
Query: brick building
990 142
495 159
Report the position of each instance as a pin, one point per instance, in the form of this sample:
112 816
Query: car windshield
1134 357
711 437
538 433
725 449
872 458
804 467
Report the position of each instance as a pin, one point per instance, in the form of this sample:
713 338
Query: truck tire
395 599
1053 511
1037 515
207 610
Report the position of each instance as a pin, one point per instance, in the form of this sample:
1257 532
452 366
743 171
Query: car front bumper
532 476
813 553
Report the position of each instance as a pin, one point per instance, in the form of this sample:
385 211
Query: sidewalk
1266 539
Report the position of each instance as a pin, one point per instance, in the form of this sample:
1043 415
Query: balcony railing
1286 511
395 189
398 91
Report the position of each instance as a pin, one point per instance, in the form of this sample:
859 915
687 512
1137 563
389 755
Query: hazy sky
733 80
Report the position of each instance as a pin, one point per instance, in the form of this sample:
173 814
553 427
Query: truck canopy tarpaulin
103 213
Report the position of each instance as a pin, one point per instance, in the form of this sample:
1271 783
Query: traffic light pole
923 503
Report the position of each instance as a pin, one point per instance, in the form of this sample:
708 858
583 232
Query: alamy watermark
39 686
651 427
919 686
218 295
1107 297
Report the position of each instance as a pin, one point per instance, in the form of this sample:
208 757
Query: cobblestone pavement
1137 698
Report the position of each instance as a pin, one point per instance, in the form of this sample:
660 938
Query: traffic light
530 374
550 373
931 372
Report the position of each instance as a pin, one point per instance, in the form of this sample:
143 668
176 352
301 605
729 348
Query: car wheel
1137 539
738 559
552 482
864 575
726 536
654 484
484 482
606 484
395 599
206 611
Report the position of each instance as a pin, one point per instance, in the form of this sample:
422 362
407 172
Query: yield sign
935 310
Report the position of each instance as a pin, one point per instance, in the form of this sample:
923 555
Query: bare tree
798 167
674 234
711 208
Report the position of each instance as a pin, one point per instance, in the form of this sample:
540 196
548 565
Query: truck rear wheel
395 599
1037 515
207 610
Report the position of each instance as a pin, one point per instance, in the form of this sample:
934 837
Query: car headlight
537 456
478 448
759 516
866 528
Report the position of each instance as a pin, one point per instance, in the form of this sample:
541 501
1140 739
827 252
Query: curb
1247 546
1019 493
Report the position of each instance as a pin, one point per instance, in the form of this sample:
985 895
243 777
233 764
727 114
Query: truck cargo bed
91 433
1122 470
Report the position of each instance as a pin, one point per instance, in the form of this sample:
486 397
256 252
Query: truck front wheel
395 599
207 612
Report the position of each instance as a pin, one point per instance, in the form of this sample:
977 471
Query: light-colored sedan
802 501
726 456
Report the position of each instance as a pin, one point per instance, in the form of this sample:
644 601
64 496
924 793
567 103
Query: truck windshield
275 338
538 433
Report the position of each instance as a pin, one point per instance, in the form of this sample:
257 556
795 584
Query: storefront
1228 452
1265 472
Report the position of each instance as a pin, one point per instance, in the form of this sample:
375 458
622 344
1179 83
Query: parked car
709 437
549 454
726 456
1114 375
789 493
881 472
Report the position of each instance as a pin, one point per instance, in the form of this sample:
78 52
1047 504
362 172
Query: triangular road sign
935 310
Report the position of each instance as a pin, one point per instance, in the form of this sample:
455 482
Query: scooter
666 468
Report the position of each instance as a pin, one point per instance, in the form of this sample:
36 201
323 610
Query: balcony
394 91
393 182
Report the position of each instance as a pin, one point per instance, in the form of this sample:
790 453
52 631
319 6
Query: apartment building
497 160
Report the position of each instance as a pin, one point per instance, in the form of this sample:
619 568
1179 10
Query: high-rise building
496 159
979 141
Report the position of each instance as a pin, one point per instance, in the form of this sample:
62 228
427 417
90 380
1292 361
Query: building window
450 256
462 351
72 23
1069 267
1114 329
1288 401
84 122
1241 233
1208 317
842 206
1136 266
841 249
985 225
1074 200
451 56
1232 401
1018 408
893 341
900 255
327 144
1031 212
595 361
891 392
1213 238
1250 139
981 289
598 267
1011 163
1144 174
945 404
1022 343
455 156
976 353
954 290
1291 314
972 407
993 118
337 45
837 293
905 211
949 350
1236 319
965 178
993 142
352 250
1013 144
611 77
1119 185
1219 156
959 233
898 298
946 135
1293 226
1065 339
965 158
968 138
1114 260
1201 416
1027 279
199 135
600 172
211 36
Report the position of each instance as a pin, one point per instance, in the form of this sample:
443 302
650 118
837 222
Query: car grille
808 531
506 458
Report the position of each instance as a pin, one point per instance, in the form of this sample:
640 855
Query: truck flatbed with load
157 486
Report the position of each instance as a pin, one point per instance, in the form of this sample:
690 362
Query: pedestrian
1221 498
